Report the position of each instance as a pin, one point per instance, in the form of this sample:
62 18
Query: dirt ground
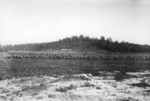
81 80
79 87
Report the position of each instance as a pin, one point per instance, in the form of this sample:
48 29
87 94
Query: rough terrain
79 87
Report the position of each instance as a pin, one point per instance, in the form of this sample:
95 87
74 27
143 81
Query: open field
74 80
81 87
31 67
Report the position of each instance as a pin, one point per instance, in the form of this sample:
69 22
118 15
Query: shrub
65 89
119 76
141 84
87 84
1 78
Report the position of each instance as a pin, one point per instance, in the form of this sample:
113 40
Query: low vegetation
65 75
121 75
36 67
141 84
87 84
65 89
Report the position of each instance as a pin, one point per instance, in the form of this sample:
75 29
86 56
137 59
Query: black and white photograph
74 50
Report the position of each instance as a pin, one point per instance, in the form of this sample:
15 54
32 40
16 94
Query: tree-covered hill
81 43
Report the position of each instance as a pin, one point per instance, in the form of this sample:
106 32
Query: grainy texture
30 67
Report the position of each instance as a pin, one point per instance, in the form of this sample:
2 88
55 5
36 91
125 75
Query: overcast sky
30 21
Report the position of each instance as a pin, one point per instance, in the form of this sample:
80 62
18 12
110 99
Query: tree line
83 43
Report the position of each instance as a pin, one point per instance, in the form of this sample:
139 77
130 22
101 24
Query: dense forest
81 43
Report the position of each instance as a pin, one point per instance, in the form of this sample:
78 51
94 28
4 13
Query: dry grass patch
65 89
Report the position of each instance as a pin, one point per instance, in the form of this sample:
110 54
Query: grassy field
31 67
69 80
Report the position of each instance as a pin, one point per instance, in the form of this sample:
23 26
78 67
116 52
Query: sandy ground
82 87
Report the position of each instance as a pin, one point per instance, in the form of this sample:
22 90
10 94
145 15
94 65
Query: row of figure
76 55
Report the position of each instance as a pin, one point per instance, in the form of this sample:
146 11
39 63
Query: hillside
82 43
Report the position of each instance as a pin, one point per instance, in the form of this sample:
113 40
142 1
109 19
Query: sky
36 21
